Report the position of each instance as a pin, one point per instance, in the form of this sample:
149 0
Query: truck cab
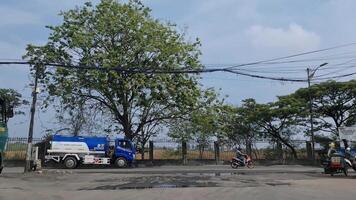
125 152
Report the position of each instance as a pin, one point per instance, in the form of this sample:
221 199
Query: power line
339 76
336 71
294 55
226 68
153 71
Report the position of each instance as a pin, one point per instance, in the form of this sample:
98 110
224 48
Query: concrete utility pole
30 131
310 76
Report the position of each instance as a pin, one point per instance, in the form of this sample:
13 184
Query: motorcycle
336 164
236 162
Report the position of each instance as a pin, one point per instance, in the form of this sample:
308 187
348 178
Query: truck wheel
70 162
121 162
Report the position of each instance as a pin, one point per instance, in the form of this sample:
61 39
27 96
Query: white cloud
295 37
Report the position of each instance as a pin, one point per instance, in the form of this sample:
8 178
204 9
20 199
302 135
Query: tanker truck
72 151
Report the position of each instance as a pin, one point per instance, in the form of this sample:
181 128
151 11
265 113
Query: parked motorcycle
236 162
336 164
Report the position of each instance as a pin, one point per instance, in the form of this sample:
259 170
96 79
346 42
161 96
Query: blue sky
231 32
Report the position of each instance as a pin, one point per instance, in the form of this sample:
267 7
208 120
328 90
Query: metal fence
16 148
175 150
171 149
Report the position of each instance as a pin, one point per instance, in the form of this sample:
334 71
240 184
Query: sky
231 32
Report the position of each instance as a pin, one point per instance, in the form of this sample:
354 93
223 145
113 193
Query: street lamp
311 74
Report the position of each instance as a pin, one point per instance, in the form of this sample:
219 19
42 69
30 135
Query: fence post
184 152
151 151
217 152
309 150
280 151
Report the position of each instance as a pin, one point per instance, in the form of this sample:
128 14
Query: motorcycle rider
331 150
240 155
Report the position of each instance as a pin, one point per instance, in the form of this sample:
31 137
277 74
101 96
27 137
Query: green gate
3 139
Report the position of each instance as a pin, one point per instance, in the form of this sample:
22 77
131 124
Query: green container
3 136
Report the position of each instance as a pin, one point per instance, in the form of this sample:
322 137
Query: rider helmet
332 145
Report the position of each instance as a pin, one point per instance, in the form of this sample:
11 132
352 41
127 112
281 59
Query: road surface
178 182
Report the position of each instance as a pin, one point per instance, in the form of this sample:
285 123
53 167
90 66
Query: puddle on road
152 186
183 180
278 184
211 174
150 182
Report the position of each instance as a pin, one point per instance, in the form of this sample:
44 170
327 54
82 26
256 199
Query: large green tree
244 127
199 124
279 120
120 35
334 104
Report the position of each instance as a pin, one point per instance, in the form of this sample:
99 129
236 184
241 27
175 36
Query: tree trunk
127 131
248 146
280 139
279 150
200 152
142 150
294 152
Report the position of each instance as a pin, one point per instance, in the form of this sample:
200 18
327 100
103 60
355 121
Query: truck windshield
125 145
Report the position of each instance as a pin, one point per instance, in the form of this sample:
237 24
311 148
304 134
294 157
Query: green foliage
210 119
332 102
12 100
123 35
277 121
243 125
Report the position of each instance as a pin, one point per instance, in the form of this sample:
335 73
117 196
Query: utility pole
310 74
311 115
30 131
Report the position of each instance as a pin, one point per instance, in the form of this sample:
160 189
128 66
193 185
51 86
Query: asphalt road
178 182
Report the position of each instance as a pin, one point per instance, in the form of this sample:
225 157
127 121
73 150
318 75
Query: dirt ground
198 182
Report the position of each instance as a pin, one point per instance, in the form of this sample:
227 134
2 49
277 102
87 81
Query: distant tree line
334 106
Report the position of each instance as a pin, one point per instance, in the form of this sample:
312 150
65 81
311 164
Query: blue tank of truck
94 143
